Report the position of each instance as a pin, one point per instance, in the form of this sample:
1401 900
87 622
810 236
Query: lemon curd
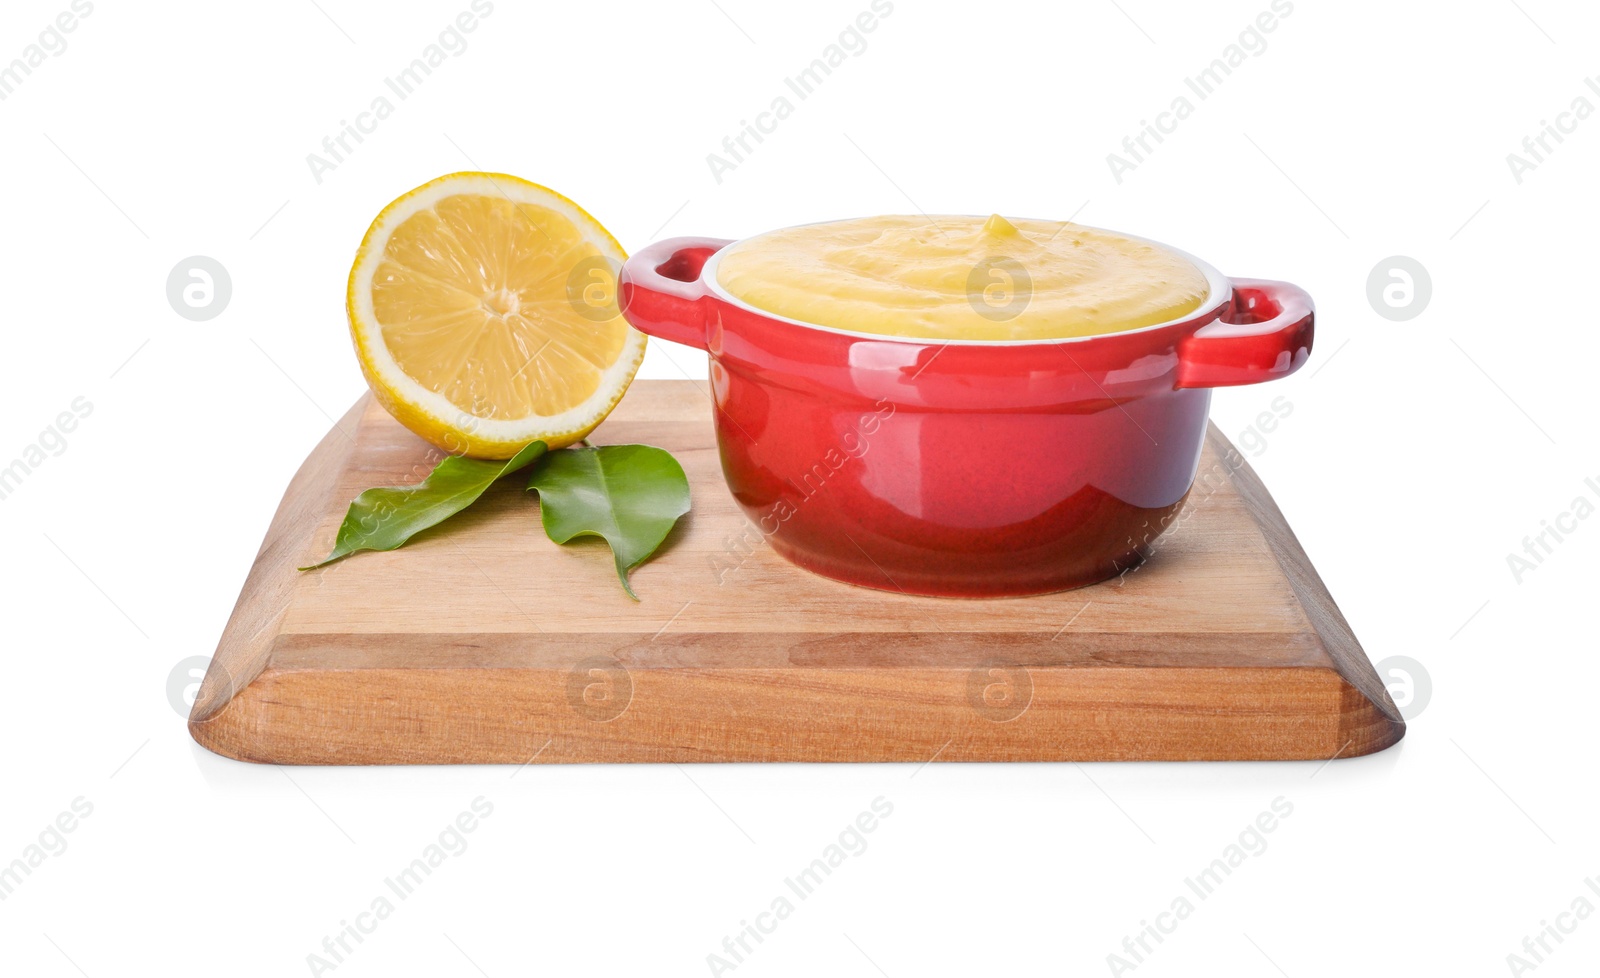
962 278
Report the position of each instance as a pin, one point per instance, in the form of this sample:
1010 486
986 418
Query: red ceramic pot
961 467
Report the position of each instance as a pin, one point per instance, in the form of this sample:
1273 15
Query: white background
1418 454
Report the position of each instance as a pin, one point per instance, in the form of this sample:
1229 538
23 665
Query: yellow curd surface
962 278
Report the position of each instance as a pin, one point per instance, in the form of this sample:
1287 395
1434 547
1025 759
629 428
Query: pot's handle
661 292
1267 337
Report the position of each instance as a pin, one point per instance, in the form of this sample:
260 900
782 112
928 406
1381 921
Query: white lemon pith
484 313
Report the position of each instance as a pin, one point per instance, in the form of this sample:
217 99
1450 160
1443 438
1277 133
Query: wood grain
483 642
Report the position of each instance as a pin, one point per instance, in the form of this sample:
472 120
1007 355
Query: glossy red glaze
962 468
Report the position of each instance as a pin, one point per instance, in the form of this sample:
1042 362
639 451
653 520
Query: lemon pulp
484 313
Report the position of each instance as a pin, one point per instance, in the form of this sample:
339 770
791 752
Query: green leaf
629 495
383 519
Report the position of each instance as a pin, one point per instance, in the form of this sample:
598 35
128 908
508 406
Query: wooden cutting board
483 642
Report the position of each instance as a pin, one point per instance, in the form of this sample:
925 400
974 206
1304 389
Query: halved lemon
484 313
